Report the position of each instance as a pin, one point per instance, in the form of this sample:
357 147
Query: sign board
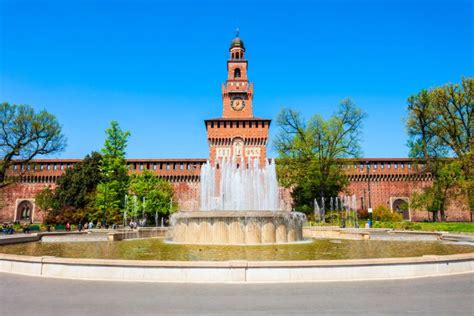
370 210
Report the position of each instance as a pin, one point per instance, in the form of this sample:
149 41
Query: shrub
398 225
384 214
333 217
363 214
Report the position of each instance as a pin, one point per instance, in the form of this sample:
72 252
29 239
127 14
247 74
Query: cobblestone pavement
22 295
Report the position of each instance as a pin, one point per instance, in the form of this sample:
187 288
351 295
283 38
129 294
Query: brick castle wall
387 184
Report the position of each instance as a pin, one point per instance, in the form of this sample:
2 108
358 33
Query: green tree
74 197
445 187
440 125
113 170
310 152
46 201
25 134
155 192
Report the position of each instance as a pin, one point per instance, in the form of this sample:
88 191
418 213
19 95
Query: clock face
237 104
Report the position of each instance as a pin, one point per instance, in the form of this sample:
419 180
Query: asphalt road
22 295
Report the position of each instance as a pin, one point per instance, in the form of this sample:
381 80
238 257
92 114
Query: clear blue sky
157 67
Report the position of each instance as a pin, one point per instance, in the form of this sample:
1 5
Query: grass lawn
466 227
463 227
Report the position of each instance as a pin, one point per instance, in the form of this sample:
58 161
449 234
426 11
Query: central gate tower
237 134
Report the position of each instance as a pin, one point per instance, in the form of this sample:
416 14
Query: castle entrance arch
400 205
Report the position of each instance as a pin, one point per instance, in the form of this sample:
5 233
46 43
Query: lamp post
368 191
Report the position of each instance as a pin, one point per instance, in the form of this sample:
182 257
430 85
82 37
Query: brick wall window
154 166
395 165
167 166
141 166
48 167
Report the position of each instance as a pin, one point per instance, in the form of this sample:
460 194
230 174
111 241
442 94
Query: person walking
68 227
79 226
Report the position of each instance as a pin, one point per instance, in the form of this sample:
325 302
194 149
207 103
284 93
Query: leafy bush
35 227
333 217
398 225
363 214
384 214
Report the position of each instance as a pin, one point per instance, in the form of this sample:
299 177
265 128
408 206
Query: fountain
239 205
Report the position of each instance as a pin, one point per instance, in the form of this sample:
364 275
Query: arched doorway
401 206
24 211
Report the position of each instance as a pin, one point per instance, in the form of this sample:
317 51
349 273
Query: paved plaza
22 295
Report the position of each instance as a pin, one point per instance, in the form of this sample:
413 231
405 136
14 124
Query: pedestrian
26 228
68 227
79 226
91 225
86 226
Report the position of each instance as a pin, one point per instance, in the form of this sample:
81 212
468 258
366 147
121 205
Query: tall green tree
157 194
440 125
310 151
73 199
25 134
114 172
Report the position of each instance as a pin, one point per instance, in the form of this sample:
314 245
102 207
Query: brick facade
236 134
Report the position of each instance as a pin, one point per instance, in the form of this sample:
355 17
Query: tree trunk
443 215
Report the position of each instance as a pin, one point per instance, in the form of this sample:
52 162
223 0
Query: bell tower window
237 73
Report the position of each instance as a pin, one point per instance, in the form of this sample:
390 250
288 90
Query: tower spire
237 32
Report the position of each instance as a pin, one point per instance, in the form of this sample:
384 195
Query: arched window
237 73
232 55
237 55
24 210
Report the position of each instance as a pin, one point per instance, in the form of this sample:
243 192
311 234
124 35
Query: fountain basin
237 227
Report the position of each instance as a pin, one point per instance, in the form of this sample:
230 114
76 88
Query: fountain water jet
240 205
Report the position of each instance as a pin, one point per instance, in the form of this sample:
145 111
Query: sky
157 66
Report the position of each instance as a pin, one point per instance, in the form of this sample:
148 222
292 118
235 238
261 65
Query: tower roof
237 42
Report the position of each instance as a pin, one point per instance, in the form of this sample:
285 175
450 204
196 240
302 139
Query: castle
238 133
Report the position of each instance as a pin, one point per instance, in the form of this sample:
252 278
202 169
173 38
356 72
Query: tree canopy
156 193
440 125
114 172
25 134
309 151
74 197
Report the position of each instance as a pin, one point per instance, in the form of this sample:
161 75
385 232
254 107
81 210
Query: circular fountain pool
157 249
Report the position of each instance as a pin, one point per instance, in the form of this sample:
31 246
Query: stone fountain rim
234 214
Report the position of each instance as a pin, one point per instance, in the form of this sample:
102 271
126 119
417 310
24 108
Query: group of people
8 229
89 225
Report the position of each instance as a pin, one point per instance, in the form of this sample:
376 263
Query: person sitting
26 228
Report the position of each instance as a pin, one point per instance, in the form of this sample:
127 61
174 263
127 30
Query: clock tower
237 92
237 135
